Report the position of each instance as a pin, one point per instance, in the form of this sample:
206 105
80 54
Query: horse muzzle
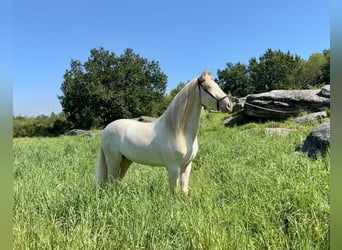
225 105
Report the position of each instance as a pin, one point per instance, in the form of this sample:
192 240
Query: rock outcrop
325 91
281 104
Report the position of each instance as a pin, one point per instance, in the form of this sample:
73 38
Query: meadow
248 190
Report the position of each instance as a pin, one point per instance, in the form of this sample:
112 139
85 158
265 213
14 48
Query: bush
42 125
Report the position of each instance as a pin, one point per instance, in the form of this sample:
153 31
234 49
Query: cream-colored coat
170 141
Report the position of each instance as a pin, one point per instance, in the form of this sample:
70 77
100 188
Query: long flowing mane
176 114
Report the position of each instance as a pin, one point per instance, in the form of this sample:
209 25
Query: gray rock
317 141
74 132
234 121
279 131
325 91
317 116
89 135
284 103
239 105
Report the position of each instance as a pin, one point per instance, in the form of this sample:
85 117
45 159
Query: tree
312 70
234 79
274 70
108 87
176 90
168 98
325 78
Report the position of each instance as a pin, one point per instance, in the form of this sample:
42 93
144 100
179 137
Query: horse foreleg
185 174
173 172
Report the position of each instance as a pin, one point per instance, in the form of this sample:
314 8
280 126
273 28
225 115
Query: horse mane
176 114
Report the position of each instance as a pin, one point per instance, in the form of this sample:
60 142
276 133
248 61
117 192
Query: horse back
137 141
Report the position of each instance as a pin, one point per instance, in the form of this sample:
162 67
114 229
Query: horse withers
170 141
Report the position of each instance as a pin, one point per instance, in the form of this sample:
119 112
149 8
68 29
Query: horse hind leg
124 165
113 160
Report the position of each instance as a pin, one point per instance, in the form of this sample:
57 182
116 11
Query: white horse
170 141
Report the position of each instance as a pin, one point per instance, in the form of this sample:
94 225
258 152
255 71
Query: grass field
248 190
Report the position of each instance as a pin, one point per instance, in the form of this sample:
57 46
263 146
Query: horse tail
101 169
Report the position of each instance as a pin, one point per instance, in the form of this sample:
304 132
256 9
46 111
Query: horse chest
184 151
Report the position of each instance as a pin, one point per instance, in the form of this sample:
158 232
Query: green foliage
314 70
325 77
42 125
234 79
108 87
275 70
168 98
176 90
248 190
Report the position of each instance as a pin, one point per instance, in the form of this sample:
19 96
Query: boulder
279 131
317 141
317 116
74 132
281 104
235 120
325 91
239 105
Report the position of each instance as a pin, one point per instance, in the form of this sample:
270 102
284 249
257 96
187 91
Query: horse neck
182 117
193 121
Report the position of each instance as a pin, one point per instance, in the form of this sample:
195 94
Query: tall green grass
248 190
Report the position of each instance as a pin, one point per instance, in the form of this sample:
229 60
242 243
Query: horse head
211 95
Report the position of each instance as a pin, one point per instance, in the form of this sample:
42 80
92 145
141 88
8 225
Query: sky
185 37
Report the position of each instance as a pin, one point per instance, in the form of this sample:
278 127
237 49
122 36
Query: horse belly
145 157
141 154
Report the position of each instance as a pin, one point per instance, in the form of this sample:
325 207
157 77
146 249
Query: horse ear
211 72
204 73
